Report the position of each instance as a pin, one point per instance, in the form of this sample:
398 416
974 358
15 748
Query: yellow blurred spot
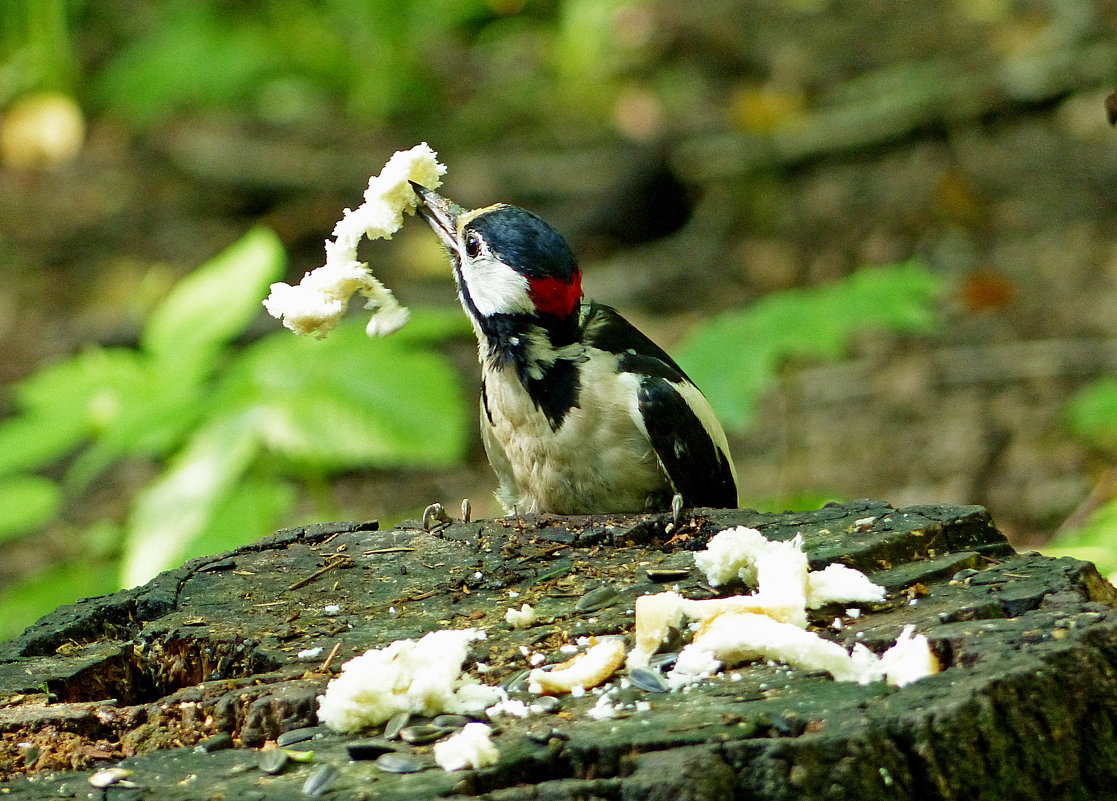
761 109
957 199
638 114
506 7
983 11
1021 36
422 254
41 130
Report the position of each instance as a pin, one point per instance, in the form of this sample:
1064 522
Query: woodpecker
580 412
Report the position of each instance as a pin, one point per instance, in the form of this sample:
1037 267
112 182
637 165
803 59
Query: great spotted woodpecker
580 412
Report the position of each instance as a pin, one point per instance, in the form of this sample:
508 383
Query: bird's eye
472 245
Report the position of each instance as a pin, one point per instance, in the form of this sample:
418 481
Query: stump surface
164 678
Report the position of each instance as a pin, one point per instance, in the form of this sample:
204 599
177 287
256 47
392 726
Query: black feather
606 330
525 242
698 469
554 393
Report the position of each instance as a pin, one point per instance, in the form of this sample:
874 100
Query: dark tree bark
207 655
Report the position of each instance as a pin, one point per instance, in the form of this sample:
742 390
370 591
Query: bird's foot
676 508
433 515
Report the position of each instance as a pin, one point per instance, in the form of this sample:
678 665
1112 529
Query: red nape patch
552 295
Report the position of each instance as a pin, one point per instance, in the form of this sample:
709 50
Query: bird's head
507 261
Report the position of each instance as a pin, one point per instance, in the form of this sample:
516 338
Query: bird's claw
676 508
435 513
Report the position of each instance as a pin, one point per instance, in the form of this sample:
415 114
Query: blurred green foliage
277 56
737 356
498 62
36 51
1092 416
230 429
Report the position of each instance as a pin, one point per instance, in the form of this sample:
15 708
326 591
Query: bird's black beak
441 214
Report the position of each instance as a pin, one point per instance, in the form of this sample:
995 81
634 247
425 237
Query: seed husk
395 723
272 762
517 683
111 776
367 750
665 660
296 736
667 573
419 735
320 779
396 762
545 703
545 734
647 679
450 721
218 742
597 599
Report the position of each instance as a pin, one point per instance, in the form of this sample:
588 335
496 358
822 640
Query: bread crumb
583 671
317 303
469 748
421 676
520 618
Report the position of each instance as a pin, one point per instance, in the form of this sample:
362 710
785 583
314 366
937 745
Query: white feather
495 287
600 459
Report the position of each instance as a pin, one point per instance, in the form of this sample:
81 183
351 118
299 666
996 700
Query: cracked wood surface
208 654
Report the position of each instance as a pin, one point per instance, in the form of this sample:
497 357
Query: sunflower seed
648 679
296 736
396 762
272 762
320 780
395 723
450 721
418 735
597 599
110 776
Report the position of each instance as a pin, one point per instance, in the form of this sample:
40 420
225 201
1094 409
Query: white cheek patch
496 288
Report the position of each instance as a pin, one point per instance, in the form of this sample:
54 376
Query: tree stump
181 680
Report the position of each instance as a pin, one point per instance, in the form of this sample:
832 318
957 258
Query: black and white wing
681 425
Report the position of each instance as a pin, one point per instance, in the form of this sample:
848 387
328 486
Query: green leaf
797 502
26 503
215 303
735 357
253 508
174 509
349 401
112 395
1096 541
31 597
1092 414
192 59
28 442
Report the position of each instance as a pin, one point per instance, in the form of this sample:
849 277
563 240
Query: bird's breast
598 459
